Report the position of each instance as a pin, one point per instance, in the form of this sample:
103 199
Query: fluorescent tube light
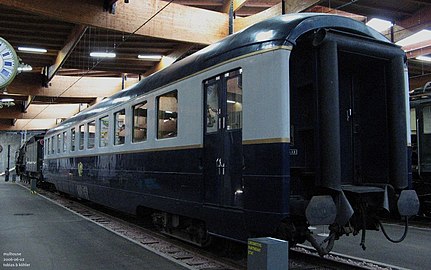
103 54
33 50
150 57
379 25
420 36
424 58
7 100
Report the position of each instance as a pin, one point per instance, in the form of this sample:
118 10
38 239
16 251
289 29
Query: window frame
159 136
93 143
141 104
104 140
81 139
72 139
117 141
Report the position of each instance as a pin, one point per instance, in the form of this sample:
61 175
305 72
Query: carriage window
120 127
212 107
104 131
52 145
58 142
81 137
49 147
426 118
234 103
167 107
140 122
413 120
72 139
65 141
91 130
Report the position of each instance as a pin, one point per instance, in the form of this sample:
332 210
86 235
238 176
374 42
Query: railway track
191 257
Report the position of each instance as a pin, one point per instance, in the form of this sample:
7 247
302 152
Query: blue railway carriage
297 120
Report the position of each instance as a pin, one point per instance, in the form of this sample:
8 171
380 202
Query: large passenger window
91 130
234 103
120 127
104 131
140 122
167 108
81 137
72 139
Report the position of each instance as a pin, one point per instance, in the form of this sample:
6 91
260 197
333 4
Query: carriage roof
274 32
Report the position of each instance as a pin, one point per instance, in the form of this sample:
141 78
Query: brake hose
402 237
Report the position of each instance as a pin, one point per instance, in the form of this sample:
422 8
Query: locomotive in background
29 160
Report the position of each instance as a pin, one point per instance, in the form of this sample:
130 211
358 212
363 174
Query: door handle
220 166
348 114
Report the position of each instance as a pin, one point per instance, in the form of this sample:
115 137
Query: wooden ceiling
70 30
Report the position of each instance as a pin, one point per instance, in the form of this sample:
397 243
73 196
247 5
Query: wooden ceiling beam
74 37
237 4
419 81
66 86
419 49
405 28
169 59
291 6
175 22
26 124
40 111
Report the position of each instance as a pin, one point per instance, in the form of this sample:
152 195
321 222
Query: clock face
8 63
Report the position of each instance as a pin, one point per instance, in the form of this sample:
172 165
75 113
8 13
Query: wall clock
8 63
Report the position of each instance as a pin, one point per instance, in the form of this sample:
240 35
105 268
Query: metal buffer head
408 203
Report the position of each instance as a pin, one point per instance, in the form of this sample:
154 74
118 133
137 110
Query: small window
72 139
426 119
52 145
212 107
234 103
167 108
58 142
49 147
91 130
104 131
120 127
140 122
65 141
81 137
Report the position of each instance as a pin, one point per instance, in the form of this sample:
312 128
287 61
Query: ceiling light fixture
7 100
103 54
379 25
24 68
150 57
424 58
32 50
420 36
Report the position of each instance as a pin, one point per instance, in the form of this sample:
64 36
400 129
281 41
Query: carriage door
223 158
347 113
